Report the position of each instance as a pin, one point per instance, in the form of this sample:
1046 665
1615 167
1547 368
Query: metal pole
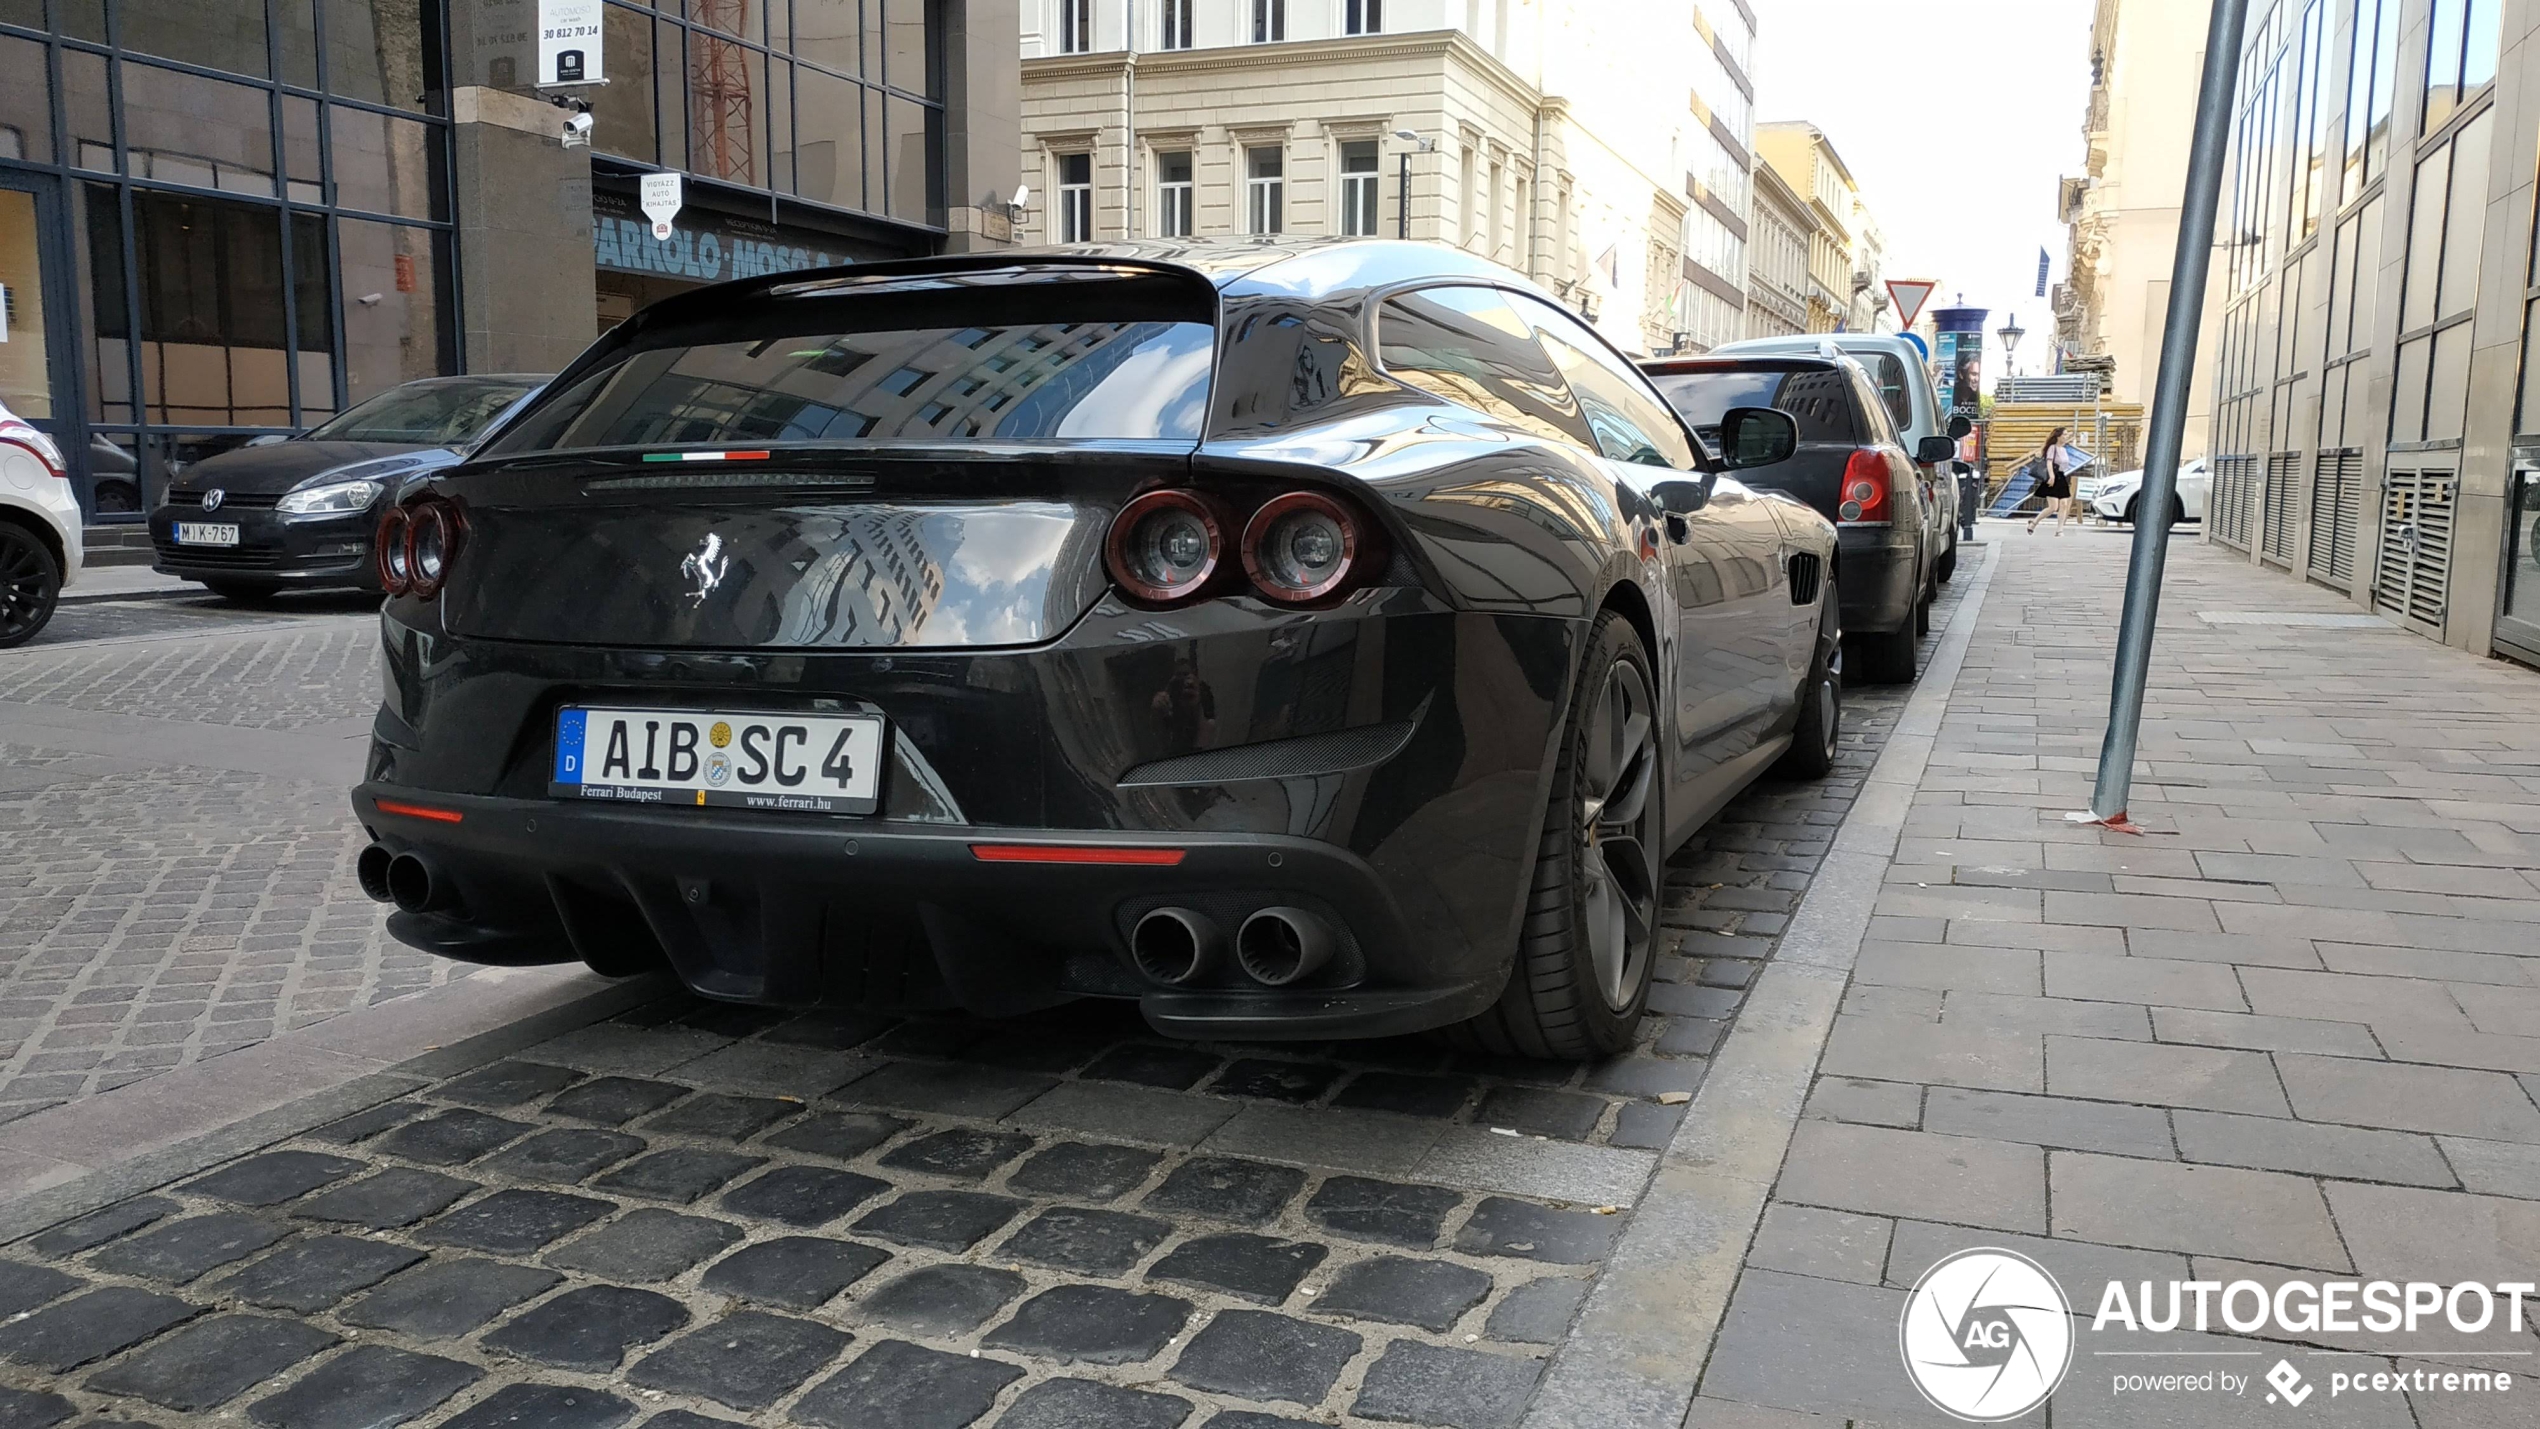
1402 203
2206 152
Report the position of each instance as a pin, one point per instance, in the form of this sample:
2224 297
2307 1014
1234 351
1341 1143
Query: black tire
117 497
1922 616
1557 1003
2178 511
2128 517
1889 659
1948 568
1813 738
30 585
243 592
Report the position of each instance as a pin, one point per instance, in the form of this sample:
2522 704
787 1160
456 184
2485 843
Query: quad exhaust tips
1279 946
1176 946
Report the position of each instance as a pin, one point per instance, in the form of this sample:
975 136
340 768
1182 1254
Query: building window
1359 188
1265 190
2369 67
2460 56
1269 21
1177 25
1173 195
1075 26
1366 17
1075 198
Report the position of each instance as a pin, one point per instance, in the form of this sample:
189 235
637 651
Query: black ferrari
1304 639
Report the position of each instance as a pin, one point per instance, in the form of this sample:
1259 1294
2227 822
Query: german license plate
808 763
206 533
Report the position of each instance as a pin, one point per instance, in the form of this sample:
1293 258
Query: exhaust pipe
1176 946
415 885
371 870
1278 946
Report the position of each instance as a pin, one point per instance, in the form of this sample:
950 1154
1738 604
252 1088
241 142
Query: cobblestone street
696 1212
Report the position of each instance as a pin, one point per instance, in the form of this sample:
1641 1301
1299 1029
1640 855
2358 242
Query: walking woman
2054 482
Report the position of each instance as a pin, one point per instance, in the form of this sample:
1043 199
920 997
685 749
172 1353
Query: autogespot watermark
1987 1335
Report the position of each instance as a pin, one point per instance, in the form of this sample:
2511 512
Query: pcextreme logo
1987 1335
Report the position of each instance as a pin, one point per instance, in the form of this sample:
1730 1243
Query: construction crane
719 91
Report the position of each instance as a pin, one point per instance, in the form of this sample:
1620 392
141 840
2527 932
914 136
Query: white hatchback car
39 529
2112 497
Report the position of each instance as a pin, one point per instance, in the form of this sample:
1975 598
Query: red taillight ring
426 587
1862 491
392 552
1115 544
1353 541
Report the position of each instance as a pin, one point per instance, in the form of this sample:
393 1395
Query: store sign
569 43
704 246
660 198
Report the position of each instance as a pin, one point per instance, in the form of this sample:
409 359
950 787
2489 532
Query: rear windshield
905 373
1819 399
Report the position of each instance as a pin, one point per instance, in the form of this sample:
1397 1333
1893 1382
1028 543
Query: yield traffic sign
1909 298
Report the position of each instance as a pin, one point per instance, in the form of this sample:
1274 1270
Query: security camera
577 130
1022 195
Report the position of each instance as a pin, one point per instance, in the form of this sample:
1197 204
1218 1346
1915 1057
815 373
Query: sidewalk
2294 1036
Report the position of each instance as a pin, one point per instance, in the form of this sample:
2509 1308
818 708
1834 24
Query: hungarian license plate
809 763
206 533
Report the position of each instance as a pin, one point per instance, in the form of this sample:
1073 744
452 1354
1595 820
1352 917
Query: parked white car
2112 497
39 529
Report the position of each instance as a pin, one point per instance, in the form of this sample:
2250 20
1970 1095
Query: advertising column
1958 340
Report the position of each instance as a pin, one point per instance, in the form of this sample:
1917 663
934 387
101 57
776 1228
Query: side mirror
1959 426
1932 450
1682 496
1756 436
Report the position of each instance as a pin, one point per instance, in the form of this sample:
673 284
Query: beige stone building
2123 211
1598 146
1844 249
1777 283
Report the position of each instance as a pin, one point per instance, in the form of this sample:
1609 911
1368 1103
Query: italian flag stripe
705 456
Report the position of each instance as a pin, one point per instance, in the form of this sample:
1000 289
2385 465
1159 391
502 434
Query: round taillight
1301 546
396 569
1862 491
428 548
1851 510
1165 545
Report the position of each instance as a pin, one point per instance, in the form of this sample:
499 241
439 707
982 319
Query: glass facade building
2375 426
221 219
236 215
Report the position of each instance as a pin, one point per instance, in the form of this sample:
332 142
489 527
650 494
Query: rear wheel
1812 740
1922 617
244 592
1584 954
30 584
1948 561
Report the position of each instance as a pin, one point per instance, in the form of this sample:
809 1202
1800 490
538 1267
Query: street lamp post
2010 332
1402 203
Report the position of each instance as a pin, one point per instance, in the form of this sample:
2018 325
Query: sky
1956 118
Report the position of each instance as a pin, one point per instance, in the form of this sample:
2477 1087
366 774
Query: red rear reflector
418 811
1075 853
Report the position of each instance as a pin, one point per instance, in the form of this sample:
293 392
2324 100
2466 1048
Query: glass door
2518 624
36 370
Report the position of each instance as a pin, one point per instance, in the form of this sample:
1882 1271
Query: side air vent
1806 569
1280 758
